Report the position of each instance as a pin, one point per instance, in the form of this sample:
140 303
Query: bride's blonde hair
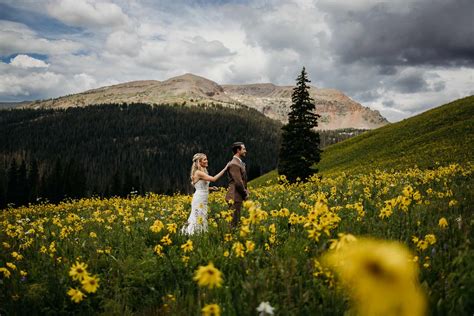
196 166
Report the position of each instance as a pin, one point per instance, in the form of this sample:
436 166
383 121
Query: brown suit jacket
237 176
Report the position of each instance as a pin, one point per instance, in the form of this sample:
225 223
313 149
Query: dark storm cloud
439 86
388 103
410 83
427 32
367 96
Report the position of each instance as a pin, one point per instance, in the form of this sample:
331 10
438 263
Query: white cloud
17 38
32 83
24 86
123 43
25 61
88 13
83 82
207 49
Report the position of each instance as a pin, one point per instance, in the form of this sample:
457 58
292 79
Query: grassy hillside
439 136
442 135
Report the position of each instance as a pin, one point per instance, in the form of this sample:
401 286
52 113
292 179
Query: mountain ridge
336 109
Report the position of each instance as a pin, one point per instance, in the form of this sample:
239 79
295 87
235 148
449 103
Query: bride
197 221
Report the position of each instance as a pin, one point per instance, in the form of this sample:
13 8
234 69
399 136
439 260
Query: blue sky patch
41 23
6 59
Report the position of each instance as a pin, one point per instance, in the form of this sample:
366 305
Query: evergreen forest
116 149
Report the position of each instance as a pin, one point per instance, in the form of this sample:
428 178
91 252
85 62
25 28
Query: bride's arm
204 176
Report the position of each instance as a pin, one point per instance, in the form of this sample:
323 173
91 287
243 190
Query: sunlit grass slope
442 135
439 136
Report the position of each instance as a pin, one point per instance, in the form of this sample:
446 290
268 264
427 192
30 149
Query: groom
237 192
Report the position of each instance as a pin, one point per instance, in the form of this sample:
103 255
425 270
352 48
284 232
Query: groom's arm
234 171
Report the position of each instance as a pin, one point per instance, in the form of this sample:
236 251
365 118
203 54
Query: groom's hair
236 146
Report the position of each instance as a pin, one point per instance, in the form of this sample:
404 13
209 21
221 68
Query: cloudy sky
400 57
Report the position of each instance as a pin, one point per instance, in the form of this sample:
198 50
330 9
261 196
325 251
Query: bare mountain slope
336 109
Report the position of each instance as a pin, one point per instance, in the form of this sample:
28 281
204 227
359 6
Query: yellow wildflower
76 295
78 271
238 249
244 230
443 223
427 262
250 245
343 240
158 250
431 239
172 228
272 228
385 212
208 276
185 260
314 234
379 276
90 284
52 247
248 204
422 245
157 226
6 272
11 265
17 256
166 240
188 246
408 190
211 310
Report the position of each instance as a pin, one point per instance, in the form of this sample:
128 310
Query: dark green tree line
113 149
329 137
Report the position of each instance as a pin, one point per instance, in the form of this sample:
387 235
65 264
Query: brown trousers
236 206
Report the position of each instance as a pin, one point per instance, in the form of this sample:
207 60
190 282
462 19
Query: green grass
439 136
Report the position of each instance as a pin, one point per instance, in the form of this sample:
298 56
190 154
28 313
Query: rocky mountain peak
190 82
336 109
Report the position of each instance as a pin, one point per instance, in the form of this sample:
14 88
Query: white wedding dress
197 221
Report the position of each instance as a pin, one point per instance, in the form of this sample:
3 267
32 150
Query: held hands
213 188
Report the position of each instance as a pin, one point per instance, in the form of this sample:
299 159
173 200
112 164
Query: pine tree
12 184
33 180
3 186
300 143
23 190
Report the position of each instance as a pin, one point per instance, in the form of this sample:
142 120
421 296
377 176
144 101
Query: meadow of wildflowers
387 243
